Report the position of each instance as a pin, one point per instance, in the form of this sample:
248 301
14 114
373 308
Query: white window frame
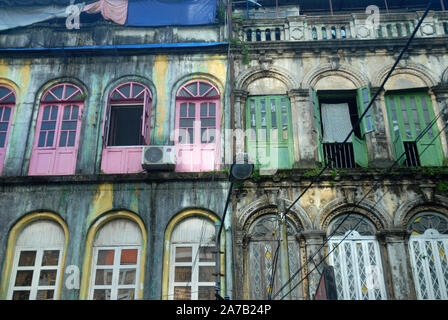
115 286
37 268
430 236
377 281
194 284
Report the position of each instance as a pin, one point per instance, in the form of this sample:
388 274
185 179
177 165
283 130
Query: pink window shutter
7 103
55 146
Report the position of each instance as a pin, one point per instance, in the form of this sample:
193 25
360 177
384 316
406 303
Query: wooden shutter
146 118
360 151
318 123
106 124
363 99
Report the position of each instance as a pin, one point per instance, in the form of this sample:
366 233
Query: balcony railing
353 26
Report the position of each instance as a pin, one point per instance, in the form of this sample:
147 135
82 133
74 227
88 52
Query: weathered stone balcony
344 26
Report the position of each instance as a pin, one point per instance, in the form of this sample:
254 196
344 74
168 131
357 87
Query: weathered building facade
82 219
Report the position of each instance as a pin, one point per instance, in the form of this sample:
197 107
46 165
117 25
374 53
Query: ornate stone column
441 100
396 267
303 126
239 127
314 240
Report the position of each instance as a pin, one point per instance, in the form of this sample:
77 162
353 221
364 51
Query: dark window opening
126 126
249 35
258 35
268 34
412 158
277 34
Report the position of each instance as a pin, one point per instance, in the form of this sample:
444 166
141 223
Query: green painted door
409 114
269 125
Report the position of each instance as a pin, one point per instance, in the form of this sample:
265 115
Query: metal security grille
430 265
357 268
412 158
342 158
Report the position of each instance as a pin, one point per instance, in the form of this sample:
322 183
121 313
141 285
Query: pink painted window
7 102
197 127
55 146
126 128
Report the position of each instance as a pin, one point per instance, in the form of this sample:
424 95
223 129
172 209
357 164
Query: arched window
126 128
268 34
7 103
192 260
263 261
428 247
36 271
55 146
117 250
355 256
197 126
249 35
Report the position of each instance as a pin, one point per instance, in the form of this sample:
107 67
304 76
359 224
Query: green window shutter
264 116
318 123
363 99
399 151
360 151
430 153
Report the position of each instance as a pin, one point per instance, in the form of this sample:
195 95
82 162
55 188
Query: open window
336 114
409 114
126 128
55 146
7 103
197 126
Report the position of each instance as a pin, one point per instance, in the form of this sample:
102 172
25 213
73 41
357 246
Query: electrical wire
362 217
314 179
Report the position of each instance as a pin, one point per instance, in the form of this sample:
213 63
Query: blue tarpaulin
170 12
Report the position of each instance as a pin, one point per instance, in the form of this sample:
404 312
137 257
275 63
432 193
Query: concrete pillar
440 93
314 240
396 266
284 256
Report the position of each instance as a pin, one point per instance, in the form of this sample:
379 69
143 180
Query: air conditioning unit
159 158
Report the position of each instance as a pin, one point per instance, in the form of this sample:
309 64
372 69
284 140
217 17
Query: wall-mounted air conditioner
159 158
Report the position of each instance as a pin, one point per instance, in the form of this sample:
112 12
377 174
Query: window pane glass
192 88
212 93
183 254
2 139
46 115
206 273
186 123
125 125
50 138
128 256
101 294
45 295
203 87
183 109
69 125
66 115
42 136
21 295
54 113
191 110
63 139
127 276
7 114
27 258
24 278
105 257
50 258
206 293
3 126
182 274
47 278
69 90
207 254
58 91
75 111
212 109
103 277
71 138
208 122
136 90
48 125
204 109
125 294
126 90
182 293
